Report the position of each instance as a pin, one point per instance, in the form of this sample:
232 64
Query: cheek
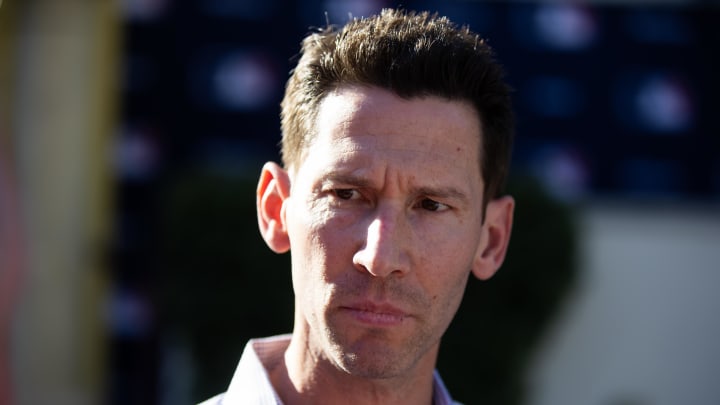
447 279
329 231
320 260
447 245
446 265
320 245
447 293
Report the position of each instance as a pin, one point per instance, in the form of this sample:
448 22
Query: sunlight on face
384 220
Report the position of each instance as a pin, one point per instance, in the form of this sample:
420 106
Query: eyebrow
346 178
442 192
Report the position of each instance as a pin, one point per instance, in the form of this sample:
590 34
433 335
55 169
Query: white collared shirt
251 384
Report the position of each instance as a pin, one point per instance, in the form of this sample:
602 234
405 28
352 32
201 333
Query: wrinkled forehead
361 127
430 122
357 149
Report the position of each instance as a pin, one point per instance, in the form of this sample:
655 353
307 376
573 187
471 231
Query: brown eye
430 205
345 193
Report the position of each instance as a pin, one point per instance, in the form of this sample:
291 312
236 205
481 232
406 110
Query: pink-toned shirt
251 384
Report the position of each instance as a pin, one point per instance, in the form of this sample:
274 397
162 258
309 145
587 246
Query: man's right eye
345 193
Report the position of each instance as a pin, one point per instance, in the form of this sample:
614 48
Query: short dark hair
413 55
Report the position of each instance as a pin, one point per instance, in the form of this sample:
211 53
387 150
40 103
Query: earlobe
272 192
495 238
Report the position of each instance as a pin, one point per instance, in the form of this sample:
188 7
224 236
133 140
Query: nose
384 251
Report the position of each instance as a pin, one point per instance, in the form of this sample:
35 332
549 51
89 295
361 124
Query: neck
308 377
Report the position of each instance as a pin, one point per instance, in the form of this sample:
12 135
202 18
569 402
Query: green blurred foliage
223 286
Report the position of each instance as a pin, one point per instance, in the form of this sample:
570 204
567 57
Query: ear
495 238
272 192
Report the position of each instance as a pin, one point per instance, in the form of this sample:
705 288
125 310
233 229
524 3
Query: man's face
384 221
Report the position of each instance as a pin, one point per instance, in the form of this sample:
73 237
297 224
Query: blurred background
132 132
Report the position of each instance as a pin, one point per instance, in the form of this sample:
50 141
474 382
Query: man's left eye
345 193
432 205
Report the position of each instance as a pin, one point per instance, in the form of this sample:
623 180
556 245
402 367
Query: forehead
355 119
369 137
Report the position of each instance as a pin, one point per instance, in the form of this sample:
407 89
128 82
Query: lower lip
374 318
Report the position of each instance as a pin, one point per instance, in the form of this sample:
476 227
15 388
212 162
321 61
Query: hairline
312 135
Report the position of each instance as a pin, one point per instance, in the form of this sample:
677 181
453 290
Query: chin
375 369
375 361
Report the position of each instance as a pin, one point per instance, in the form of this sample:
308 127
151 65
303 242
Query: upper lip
376 307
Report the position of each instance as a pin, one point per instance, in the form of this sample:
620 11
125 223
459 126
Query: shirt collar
251 384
